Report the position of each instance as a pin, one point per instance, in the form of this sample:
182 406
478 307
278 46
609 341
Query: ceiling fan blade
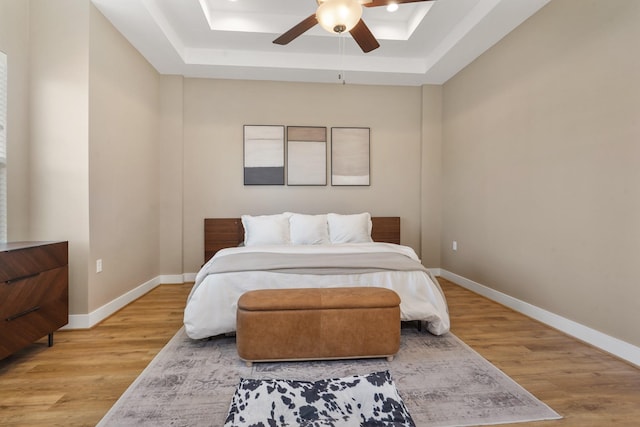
363 36
297 30
376 3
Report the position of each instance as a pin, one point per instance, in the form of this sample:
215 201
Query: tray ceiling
420 43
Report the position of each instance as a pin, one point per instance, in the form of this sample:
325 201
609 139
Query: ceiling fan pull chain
341 73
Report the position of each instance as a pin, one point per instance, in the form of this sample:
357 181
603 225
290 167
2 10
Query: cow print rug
359 400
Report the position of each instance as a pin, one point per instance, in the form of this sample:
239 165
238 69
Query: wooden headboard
220 233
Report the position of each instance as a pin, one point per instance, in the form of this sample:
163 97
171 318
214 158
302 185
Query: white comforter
211 306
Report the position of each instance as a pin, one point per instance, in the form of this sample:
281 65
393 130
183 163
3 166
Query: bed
292 250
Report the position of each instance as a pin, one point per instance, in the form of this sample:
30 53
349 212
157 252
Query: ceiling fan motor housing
339 28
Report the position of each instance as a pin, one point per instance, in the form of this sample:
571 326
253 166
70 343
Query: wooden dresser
34 292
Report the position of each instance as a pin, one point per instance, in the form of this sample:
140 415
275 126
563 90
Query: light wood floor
77 380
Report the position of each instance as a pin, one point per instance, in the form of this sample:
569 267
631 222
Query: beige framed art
350 156
264 155
306 155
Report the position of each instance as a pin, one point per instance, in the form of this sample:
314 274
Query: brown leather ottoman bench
314 323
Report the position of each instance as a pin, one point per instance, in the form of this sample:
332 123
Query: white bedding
211 306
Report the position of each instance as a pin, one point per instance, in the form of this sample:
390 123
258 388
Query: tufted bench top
318 298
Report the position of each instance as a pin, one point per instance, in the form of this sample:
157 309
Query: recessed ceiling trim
248 22
306 75
163 23
195 56
416 19
273 23
206 11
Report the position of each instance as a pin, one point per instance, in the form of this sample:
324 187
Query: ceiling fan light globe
338 16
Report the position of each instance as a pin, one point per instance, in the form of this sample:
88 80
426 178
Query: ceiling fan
339 16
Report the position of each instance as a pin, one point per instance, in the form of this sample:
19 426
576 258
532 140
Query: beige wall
169 169
14 41
58 126
431 177
124 131
215 112
541 165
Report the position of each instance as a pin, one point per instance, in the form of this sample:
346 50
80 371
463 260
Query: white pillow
308 229
266 229
354 228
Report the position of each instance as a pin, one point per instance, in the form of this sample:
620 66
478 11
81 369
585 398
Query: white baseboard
619 348
169 279
86 321
435 271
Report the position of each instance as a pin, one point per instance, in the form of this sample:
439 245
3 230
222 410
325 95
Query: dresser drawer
33 307
32 292
29 260
30 327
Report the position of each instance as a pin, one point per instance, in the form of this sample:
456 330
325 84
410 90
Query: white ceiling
421 43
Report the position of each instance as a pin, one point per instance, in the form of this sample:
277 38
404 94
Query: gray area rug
442 381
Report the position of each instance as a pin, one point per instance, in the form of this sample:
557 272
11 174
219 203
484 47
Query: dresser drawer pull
24 313
18 279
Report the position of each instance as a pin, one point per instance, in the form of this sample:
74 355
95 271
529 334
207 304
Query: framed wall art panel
306 155
350 156
263 155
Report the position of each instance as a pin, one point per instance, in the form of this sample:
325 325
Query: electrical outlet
454 246
98 266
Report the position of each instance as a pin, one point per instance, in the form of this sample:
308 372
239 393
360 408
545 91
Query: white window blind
3 147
